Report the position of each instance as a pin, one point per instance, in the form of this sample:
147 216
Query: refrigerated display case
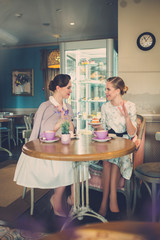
88 70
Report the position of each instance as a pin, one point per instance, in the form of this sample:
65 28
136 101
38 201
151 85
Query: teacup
49 135
101 134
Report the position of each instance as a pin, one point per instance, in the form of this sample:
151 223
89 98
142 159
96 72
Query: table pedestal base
6 150
81 195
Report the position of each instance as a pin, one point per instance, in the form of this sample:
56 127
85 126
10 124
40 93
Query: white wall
140 69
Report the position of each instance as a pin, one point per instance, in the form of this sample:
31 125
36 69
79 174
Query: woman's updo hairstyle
60 80
118 83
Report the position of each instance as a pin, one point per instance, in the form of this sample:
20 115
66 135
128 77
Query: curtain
48 73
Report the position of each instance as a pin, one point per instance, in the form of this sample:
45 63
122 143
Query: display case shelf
94 82
87 64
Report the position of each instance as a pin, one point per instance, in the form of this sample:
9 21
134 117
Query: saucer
94 124
49 141
101 140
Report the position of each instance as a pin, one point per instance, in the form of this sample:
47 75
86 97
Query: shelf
97 82
87 68
94 101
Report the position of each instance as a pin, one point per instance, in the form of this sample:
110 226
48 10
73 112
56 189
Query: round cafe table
80 151
125 230
2 120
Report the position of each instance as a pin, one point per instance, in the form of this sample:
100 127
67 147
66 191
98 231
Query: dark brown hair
60 80
118 83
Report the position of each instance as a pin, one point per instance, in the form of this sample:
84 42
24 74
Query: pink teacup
49 135
101 134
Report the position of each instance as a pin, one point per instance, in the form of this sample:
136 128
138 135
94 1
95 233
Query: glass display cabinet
87 68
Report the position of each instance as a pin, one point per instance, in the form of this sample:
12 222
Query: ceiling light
54 59
18 15
72 23
46 24
58 10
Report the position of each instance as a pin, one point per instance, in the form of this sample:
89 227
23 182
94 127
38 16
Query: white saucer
101 140
94 124
49 141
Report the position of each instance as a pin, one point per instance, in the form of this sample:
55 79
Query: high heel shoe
57 213
70 201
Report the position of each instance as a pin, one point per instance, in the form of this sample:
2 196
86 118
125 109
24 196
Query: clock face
146 41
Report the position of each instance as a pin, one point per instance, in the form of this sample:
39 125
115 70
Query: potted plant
65 135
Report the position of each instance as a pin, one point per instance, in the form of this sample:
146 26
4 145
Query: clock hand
145 38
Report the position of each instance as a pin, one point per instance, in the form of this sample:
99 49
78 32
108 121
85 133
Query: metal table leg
4 149
12 131
154 202
81 206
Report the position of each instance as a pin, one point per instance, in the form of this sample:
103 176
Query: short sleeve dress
112 118
42 173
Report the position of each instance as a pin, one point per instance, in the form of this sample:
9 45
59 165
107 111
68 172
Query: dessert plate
49 141
101 140
94 124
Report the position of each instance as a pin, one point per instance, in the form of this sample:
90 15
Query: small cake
95 120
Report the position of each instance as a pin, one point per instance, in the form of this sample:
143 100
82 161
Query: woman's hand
130 127
123 110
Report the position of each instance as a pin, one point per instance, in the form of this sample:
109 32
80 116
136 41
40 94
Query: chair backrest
28 122
139 154
26 134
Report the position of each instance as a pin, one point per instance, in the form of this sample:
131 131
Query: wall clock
146 41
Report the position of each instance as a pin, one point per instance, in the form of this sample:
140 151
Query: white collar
54 102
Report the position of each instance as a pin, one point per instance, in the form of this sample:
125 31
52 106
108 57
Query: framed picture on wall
22 82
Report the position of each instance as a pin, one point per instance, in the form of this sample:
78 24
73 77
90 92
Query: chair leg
128 197
9 140
17 137
135 193
154 212
24 192
32 201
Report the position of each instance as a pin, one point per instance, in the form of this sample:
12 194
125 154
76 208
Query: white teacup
101 134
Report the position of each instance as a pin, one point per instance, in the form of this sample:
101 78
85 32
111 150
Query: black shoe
115 216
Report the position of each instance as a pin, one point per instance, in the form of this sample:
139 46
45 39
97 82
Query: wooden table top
82 149
15 116
125 230
4 120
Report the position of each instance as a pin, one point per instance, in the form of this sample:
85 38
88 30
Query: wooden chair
19 130
149 174
26 135
5 133
95 169
28 125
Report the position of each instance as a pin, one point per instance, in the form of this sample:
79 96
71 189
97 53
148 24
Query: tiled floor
45 220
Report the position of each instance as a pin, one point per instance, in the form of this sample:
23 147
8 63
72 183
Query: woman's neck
117 101
58 98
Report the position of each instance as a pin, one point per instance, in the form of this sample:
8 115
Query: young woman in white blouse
118 116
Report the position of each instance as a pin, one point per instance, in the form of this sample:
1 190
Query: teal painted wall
21 58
